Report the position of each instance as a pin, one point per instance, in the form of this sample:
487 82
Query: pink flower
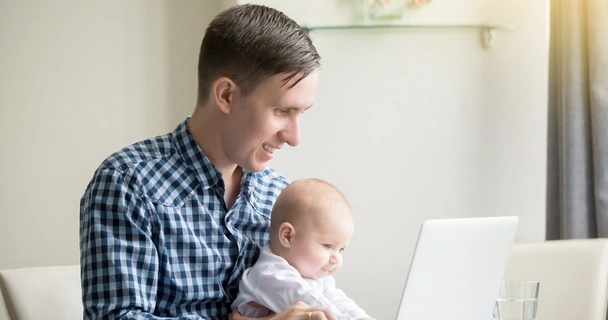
421 3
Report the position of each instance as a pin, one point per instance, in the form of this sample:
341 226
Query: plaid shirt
156 238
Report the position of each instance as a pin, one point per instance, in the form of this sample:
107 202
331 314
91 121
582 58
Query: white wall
79 80
411 125
515 117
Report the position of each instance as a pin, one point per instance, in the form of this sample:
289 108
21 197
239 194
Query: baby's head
311 225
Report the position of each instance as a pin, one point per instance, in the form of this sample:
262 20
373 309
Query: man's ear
224 90
286 233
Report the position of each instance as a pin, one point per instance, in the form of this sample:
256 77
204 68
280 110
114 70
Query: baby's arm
338 298
280 289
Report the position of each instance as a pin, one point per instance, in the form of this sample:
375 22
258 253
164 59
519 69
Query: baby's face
318 244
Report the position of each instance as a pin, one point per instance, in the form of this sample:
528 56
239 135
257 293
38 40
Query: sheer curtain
577 157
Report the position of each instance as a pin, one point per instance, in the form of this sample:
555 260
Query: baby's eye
282 111
341 250
327 246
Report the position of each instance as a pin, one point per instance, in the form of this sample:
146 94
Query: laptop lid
457 268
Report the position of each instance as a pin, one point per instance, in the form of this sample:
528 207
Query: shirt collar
206 173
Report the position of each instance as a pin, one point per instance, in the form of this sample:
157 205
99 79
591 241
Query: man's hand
299 311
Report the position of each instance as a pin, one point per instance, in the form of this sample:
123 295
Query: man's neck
233 186
204 130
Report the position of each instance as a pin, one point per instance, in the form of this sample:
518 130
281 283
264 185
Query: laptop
457 268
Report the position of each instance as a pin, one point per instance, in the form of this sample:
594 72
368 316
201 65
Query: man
169 224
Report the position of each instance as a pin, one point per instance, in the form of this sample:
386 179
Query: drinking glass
517 300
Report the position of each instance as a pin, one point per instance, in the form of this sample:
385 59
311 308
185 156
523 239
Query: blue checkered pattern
156 238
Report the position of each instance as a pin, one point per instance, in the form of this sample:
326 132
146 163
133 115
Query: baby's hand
302 311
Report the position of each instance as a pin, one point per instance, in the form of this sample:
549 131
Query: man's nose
291 134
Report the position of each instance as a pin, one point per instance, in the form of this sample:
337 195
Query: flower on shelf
388 11
409 3
418 3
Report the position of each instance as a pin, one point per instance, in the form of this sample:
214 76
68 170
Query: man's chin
258 167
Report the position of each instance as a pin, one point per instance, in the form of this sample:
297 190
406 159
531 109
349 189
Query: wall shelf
488 30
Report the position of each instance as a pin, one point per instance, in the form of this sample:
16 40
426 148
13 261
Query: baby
310 228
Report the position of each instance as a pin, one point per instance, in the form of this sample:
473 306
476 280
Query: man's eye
327 246
282 111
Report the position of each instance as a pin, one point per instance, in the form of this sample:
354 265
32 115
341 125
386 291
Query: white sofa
42 293
573 276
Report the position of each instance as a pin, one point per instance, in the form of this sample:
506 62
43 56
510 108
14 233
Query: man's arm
299 310
119 261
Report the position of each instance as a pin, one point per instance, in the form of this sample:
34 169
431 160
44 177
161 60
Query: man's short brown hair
249 43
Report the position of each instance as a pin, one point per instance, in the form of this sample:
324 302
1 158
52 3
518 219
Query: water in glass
515 309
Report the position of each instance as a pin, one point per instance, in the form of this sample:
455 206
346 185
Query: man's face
262 122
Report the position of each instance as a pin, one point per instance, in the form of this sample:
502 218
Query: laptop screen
457 268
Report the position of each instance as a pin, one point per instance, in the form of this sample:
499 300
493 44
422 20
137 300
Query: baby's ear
286 233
